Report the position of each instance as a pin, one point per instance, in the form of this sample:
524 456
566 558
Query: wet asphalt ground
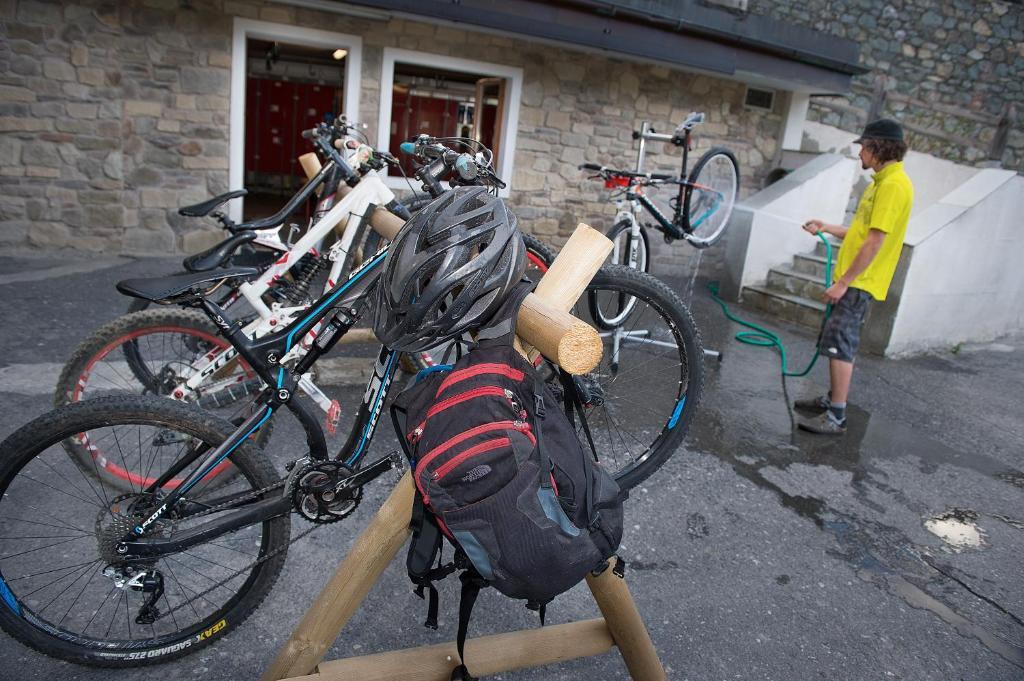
757 552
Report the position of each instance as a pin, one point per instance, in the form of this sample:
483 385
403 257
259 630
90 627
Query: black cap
882 129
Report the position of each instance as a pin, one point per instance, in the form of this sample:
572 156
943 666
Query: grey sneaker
823 424
814 405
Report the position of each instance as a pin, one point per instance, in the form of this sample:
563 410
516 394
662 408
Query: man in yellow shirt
864 267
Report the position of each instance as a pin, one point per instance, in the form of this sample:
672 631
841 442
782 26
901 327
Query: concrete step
785 305
810 263
819 248
788 280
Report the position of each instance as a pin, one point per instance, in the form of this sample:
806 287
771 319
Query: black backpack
500 473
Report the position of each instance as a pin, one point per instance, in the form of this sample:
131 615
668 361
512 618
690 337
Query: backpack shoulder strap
424 550
471 585
501 329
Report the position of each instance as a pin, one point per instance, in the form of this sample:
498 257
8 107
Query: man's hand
834 292
814 227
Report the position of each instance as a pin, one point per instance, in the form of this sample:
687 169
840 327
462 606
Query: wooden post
381 540
310 164
490 655
627 627
330 612
567 278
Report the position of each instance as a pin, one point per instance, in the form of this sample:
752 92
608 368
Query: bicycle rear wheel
641 398
716 181
66 593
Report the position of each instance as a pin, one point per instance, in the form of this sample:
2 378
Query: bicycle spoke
75 602
40 548
114 613
182 590
123 462
98 608
46 572
79 574
99 497
36 522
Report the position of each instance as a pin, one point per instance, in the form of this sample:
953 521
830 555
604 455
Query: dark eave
684 34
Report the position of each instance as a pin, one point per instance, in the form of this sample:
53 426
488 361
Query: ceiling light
340 53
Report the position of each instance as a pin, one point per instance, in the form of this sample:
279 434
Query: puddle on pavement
958 528
880 554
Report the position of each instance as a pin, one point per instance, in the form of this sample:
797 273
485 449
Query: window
759 98
444 97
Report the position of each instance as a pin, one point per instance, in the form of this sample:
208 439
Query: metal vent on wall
758 98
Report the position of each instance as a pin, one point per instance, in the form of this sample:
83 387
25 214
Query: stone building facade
114 114
950 70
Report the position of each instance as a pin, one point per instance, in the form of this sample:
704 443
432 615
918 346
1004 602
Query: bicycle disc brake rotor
318 496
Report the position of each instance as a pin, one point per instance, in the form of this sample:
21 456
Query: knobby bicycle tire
97 361
646 407
36 479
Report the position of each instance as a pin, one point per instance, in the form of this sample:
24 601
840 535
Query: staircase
794 292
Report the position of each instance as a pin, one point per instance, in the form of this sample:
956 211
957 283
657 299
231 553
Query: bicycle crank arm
148 548
372 471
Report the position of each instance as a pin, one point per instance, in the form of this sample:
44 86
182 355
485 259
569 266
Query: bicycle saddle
217 255
165 289
198 210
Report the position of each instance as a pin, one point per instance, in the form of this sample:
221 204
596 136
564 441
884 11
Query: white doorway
258 47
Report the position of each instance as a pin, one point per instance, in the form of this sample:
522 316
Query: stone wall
113 114
948 69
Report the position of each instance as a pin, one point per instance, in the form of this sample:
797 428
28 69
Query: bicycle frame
359 202
340 307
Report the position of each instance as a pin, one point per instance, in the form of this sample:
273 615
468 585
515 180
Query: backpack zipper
486 446
521 426
493 368
485 391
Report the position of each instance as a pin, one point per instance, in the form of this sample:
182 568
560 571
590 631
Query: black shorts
841 336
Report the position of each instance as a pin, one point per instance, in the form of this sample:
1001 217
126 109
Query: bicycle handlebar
440 160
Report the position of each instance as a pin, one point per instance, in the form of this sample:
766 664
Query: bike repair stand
647 133
620 624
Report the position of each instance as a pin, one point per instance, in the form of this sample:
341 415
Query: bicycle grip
309 134
590 166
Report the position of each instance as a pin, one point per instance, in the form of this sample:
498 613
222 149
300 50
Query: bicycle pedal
333 417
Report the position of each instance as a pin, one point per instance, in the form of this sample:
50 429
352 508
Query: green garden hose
765 338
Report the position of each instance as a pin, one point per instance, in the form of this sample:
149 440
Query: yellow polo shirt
885 206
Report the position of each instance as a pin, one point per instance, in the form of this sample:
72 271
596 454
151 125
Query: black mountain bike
94 574
701 207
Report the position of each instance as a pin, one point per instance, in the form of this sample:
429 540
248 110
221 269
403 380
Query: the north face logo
476 473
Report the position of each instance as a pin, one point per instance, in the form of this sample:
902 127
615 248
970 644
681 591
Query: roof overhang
694 37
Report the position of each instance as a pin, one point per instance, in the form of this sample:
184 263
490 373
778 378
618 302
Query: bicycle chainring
318 495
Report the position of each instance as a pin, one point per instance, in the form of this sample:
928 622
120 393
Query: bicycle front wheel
715 182
640 400
66 592
608 312
149 352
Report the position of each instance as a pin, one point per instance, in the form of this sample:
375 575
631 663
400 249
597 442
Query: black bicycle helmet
448 270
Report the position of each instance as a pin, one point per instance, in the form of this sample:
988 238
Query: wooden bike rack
544 323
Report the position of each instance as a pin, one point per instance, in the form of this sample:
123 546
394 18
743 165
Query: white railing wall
964 278
768 223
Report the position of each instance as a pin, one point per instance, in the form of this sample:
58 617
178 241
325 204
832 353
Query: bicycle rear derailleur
327 491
